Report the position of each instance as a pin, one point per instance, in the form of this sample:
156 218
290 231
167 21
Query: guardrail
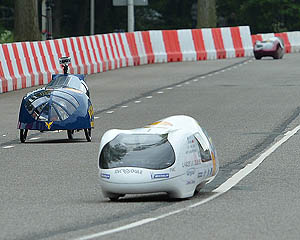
27 64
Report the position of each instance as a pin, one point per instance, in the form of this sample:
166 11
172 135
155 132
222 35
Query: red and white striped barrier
28 64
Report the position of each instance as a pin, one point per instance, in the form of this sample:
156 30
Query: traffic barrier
158 46
28 64
187 47
171 42
294 39
199 44
148 47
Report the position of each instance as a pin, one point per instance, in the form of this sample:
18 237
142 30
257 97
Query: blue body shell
64 104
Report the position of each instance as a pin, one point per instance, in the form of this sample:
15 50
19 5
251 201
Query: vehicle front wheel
277 54
115 197
88 134
23 135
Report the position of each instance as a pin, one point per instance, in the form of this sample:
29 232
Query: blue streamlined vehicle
63 104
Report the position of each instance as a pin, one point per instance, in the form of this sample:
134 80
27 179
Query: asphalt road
49 186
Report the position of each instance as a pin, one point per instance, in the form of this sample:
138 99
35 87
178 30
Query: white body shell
190 171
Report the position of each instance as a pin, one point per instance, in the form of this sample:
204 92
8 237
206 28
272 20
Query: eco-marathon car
173 155
272 47
63 104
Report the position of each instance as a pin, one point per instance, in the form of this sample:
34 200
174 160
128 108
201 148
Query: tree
206 14
261 15
26 21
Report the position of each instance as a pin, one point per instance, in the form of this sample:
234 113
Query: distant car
63 104
273 47
173 155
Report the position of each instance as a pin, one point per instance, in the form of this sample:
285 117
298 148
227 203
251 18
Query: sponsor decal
190 139
190 172
128 171
105 175
191 163
159 175
75 90
173 169
200 174
187 164
91 111
159 124
48 125
190 182
214 163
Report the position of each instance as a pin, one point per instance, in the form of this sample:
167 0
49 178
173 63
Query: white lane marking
160 92
125 106
169 88
203 77
250 167
96 117
34 138
137 101
209 75
223 188
196 80
149 97
223 70
4 135
187 83
110 112
7 147
179 85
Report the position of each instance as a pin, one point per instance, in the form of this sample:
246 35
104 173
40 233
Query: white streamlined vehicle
173 155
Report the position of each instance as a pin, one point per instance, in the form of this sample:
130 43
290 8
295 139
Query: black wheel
70 134
23 135
88 134
114 199
277 54
257 57
281 56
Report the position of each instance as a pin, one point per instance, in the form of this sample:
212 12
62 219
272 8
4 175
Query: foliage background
71 17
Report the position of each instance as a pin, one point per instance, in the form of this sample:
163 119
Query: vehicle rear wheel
88 134
70 134
257 57
23 135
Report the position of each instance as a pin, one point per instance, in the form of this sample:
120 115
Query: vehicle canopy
75 81
151 151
